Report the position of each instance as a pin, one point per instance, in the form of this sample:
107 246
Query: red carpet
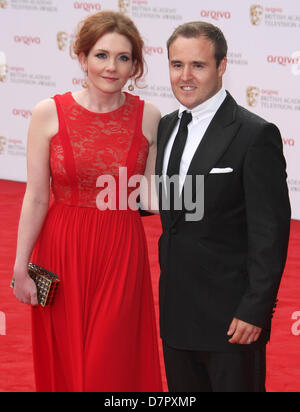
16 371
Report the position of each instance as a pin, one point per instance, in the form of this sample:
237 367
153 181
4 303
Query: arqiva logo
150 50
82 5
78 82
215 15
288 142
22 113
28 40
283 60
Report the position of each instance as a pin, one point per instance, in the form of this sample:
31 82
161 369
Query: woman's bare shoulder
44 108
151 120
44 118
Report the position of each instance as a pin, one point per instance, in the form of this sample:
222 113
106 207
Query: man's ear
222 67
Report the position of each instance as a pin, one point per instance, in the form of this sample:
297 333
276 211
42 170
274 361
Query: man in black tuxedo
220 275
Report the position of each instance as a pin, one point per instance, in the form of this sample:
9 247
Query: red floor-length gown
100 335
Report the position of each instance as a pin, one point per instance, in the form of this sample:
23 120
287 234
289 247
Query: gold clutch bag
46 283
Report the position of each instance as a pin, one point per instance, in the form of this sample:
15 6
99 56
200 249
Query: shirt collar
206 109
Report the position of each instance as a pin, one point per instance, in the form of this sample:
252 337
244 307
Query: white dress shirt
202 117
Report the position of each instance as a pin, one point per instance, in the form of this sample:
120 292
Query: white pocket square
221 170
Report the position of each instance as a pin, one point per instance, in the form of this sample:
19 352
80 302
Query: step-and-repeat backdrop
36 62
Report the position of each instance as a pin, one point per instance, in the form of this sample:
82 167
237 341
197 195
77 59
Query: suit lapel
164 135
219 135
163 141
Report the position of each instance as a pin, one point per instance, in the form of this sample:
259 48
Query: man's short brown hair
199 28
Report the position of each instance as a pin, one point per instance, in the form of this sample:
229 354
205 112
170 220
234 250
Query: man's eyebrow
200 62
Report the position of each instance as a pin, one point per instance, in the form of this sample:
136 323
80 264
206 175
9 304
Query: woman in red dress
100 334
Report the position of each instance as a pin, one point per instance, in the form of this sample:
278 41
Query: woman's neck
99 102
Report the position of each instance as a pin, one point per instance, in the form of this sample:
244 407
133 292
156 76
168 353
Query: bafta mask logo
3 67
2 144
66 43
3 72
3 4
62 40
256 14
124 6
72 53
253 96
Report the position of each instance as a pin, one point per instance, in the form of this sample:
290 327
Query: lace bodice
89 145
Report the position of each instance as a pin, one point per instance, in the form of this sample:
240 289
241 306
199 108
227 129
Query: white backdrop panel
263 73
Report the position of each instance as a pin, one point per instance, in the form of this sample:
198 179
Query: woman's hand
25 289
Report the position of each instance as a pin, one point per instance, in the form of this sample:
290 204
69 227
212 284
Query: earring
131 86
84 83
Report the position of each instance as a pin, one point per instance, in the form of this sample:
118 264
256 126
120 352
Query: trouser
197 371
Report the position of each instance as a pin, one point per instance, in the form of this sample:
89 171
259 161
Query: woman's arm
43 125
149 200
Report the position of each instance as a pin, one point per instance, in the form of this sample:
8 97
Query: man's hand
243 333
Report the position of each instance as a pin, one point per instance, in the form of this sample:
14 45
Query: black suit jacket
230 263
